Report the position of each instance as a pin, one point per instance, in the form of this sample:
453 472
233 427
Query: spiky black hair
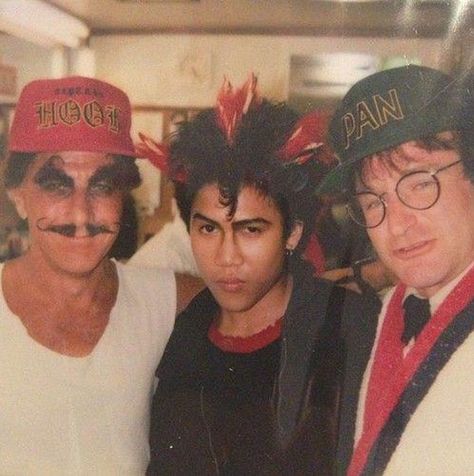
200 147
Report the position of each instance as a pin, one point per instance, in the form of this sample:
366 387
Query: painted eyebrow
107 172
50 172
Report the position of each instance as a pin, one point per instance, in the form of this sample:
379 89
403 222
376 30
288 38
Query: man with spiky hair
248 383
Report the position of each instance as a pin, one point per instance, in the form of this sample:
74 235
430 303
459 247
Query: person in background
80 335
170 248
249 380
405 140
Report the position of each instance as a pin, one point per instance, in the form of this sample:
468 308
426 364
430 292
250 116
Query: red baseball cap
74 113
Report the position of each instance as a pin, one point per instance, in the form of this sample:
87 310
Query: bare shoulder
187 287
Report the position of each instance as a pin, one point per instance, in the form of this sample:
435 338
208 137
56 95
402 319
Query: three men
405 140
80 335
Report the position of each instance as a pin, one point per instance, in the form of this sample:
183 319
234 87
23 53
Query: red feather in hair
233 104
158 155
308 135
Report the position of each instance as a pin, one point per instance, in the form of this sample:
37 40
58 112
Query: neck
438 295
64 312
264 313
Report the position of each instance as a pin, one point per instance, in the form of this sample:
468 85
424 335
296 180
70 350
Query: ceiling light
158 1
40 23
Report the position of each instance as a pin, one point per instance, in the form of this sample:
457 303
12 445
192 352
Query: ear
16 196
295 236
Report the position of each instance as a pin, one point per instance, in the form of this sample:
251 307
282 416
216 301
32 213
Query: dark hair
126 243
459 141
201 149
16 168
127 177
467 121
467 151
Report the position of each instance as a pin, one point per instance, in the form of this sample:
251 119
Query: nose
399 217
228 251
81 211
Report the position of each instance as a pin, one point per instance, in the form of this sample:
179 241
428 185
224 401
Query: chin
421 269
78 266
78 271
233 305
424 281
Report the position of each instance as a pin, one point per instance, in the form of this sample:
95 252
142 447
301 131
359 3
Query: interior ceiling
421 18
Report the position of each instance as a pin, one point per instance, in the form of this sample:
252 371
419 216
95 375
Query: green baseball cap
387 109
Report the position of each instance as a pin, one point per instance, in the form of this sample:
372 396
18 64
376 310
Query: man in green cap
404 138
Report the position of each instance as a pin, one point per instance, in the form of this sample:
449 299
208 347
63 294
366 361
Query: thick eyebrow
250 222
235 224
108 173
199 216
50 172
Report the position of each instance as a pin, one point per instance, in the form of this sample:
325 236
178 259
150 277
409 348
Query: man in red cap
81 334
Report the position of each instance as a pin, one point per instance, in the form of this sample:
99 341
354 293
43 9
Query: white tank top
63 415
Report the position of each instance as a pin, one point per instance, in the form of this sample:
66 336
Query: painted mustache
70 230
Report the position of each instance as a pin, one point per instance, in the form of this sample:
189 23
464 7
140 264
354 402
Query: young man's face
426 249
240 258
73 209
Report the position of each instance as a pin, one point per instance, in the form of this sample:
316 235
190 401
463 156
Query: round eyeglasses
419 190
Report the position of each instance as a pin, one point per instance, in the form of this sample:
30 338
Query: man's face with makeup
73 208
241 258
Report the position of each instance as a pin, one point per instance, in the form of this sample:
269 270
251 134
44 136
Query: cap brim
337 180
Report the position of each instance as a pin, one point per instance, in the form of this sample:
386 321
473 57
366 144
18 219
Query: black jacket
296 432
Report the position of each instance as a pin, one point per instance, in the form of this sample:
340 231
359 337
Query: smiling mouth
414 250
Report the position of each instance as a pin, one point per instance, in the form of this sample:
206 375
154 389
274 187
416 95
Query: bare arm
375 274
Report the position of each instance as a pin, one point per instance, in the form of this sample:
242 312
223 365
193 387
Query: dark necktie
417 314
